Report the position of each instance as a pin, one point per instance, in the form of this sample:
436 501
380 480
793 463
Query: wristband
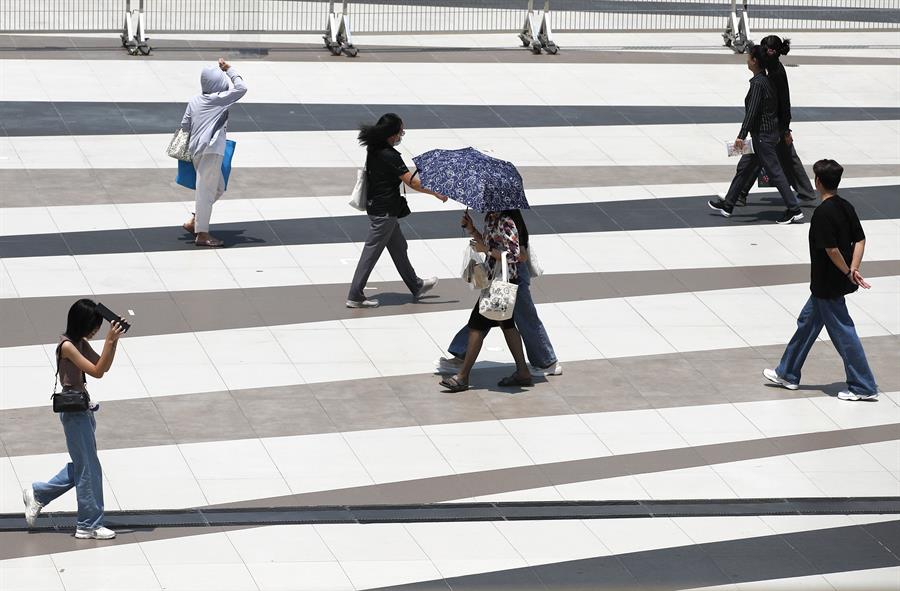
849 271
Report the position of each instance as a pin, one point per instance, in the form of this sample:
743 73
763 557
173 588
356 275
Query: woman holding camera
75 359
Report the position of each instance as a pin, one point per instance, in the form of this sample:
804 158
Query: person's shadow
830 390
229 237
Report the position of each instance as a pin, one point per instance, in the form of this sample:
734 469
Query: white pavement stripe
18 221
849 142
258 357
196 474
348 557
305 264
443 83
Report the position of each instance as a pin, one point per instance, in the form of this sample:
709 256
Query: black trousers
765 154
793 170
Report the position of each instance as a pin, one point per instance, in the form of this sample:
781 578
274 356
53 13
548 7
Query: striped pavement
247 388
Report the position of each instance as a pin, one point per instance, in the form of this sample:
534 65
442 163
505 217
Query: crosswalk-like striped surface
246 383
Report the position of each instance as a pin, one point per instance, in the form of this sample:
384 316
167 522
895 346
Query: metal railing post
537 32
737 31
134 37
338 38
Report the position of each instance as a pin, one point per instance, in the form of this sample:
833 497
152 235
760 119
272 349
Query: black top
760 107
385 167
834 225
778 78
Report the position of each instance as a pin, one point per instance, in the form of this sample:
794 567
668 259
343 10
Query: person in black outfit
385 206
787 155
836 246
761 122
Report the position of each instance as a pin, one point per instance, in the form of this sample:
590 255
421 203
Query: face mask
399 139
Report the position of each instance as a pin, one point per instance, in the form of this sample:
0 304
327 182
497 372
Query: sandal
211 242
453 384
515 380
190 226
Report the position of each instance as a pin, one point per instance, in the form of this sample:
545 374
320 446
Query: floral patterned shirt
500 233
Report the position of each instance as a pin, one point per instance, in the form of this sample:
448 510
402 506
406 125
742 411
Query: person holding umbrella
385 207
487 184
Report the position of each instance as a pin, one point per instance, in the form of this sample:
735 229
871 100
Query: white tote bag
498 301
358 196
178 145
534 266
474 270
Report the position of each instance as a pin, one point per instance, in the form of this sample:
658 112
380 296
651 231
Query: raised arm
235 93
96 366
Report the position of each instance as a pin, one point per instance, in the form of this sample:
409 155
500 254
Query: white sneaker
554 369
773 377
448 365
101 533
427 285
32 507
847 395
362 304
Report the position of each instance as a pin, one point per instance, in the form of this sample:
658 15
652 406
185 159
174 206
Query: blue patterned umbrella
479 181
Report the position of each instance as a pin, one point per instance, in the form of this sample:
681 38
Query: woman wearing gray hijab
206 118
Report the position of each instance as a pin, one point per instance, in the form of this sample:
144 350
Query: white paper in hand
732 151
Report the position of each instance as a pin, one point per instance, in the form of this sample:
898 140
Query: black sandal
453 384
515 380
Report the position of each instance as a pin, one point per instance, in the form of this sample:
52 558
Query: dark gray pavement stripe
629 383
39 187
456 512
23 544
33 118
871 203
726 563
467 485
36 47
33 321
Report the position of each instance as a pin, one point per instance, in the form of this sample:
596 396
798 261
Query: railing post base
338 38
134 36
737 32
537 32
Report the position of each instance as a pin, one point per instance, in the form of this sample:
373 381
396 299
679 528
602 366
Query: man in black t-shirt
836 246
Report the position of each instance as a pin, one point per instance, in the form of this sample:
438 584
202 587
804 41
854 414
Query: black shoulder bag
68 400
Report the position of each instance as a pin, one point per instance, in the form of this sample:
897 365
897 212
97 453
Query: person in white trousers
206 119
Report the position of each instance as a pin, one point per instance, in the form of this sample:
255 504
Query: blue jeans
83 472
833 315
537 344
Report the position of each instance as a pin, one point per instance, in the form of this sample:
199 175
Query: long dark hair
777 45
517 218
374 137
83 320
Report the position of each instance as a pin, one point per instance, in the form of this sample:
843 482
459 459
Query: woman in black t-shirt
385 206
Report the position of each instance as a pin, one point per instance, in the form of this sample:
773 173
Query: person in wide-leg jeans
83 472
833 315
537 343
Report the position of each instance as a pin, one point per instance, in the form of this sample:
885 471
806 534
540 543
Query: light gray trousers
210 186
384 231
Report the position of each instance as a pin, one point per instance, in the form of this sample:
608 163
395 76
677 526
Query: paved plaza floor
255 434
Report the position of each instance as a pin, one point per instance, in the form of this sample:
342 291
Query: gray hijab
213 80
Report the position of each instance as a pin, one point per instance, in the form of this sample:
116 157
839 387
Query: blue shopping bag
187 174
